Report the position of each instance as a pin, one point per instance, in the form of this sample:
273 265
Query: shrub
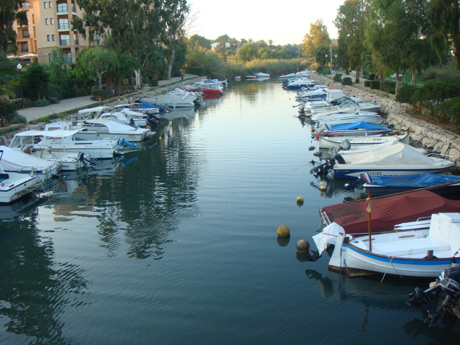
405 93
98 94
7 111
17 119
53 100
346 81
28 103
387 85
338 77
434 93
198 70
375 84
450 110
371 76
41 102
367 83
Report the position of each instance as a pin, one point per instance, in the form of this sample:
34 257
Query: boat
358 128
337 143
382 185
258 75
14 161
393 158
106 129
312 94
387 211
13 185
209 87
126 117
346 117
63 141
416 249
300 83
176 98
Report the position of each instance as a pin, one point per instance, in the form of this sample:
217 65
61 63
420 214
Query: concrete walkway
72 105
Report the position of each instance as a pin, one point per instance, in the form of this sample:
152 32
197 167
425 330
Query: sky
282 21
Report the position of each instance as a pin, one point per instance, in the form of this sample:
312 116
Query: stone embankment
428 135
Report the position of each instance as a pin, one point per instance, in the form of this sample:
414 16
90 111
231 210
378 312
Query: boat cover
389 154
356 125
13 160
387 211
420 180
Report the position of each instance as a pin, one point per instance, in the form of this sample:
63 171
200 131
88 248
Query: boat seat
410 247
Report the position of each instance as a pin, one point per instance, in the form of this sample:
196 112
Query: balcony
64 43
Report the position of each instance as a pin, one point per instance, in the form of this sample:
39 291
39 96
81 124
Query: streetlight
19 67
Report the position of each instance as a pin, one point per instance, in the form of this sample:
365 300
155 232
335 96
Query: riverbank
428 135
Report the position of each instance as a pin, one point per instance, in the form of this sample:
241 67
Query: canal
175 243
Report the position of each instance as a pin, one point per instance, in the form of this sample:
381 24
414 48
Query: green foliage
433 93
450 110
405 93
346 81
53 100
337 77
367 83
323 70
375 84
386 85
41 102
95 62
35 80
197 70
317 36
8 15
7 111
100 94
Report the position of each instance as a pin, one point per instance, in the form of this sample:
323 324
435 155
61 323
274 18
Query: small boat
417 249
355 142
63 141
393 158
346 117
358 128
106 129
14 161
381 185
13 186
126 117
176 98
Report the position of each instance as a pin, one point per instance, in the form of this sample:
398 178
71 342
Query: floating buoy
160 138
283 231
322 186
302 246
299 200
311 148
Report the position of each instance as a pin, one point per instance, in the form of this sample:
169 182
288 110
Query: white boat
126 117
356 142
417 249
63 141
106 129
342 118
176 98
14 161
15 185
395 158
358 128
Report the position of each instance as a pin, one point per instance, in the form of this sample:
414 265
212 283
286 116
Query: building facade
49 27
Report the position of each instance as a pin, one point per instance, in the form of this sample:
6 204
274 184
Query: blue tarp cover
356 125
420 180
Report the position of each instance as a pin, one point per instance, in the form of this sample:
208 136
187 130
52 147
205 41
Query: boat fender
339 159
123 142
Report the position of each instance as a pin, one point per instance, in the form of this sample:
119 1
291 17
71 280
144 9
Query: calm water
176 244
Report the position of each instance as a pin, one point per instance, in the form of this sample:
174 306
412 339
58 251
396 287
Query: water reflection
34 289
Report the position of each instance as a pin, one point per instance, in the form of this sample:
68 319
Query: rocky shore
422 133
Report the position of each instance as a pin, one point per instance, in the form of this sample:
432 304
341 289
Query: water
176 244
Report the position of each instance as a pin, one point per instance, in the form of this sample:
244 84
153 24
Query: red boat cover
388 211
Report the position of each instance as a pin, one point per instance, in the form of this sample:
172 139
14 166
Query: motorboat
13 185
176 98
346 117
298 83
355 142
93 112
14 161
358 128
60 142
421 248
258 75
106 129
311 94
126 117
209 87
381 185
394 158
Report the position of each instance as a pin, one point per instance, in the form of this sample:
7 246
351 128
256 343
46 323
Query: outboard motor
446 288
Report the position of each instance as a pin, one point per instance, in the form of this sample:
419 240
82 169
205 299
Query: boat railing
443 156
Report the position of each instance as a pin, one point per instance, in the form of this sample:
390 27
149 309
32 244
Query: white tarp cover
13 160
327 236
395 153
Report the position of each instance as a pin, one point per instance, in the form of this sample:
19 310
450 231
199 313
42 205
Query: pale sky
283 21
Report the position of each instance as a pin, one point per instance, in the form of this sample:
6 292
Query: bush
198 70
434 93
28 103
323 70
53 100
7 111
375 84
98 94
450 110
338 77
367 83
346 81
405 93
387 85
41 102
371 76
18 119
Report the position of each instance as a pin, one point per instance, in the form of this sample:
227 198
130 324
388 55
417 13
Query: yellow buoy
322 186
302 246
160 138
283 231
299 200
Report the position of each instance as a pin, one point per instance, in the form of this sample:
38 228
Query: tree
9 13
248 51
322 55
317 36
444 16
197 42
95 62
35 80
7 73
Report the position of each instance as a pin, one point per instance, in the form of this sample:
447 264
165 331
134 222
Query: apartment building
49 27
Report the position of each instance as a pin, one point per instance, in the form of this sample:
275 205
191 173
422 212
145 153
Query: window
25 33
50 4
53 38
50 57
52 21
62 7
64 40
24 47
63 23
46 21
67 57
48 38
45 4
24 5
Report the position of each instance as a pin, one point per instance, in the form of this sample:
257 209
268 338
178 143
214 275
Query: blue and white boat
358 128
382 185
417 249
